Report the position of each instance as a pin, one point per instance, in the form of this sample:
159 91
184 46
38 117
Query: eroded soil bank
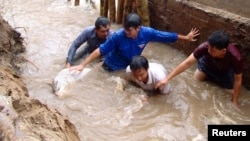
23 118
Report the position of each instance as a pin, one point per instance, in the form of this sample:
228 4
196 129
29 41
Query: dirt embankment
23 118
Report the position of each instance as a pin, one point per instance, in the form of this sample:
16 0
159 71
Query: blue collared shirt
119 49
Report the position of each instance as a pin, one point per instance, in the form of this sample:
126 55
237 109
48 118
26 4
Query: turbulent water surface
98 109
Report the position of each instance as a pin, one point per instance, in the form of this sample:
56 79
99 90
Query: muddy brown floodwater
93 108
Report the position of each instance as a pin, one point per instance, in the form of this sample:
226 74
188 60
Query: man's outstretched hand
192 34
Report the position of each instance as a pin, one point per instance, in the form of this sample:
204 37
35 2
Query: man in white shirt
146 75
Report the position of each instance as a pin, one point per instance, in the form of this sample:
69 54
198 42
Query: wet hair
218 39
132 20
101 21
139 62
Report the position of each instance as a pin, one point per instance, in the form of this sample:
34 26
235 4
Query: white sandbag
66 77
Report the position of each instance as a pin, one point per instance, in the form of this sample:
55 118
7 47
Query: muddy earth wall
23 118
182 15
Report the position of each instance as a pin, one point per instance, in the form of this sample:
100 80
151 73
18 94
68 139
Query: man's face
216 53
141 75
132 32
102 32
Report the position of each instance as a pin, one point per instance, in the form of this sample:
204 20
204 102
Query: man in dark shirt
218 61
93 36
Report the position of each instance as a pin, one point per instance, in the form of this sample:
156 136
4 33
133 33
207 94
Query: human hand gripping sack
77 68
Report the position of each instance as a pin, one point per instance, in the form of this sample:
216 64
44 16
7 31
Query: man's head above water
132 20
139 67
102 27
218 42
132 24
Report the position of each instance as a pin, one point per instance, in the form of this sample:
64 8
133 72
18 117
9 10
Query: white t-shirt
156 72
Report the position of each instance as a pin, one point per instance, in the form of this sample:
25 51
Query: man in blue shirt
130 41
93 35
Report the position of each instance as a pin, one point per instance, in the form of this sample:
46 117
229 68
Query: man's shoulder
110 32
203 44
89 28
202 47
118 34
233 50
128 70
119 31
156 67
146 29
153 64
157 71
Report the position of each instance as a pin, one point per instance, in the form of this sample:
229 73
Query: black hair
218 39
132 20
101 21
139 62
